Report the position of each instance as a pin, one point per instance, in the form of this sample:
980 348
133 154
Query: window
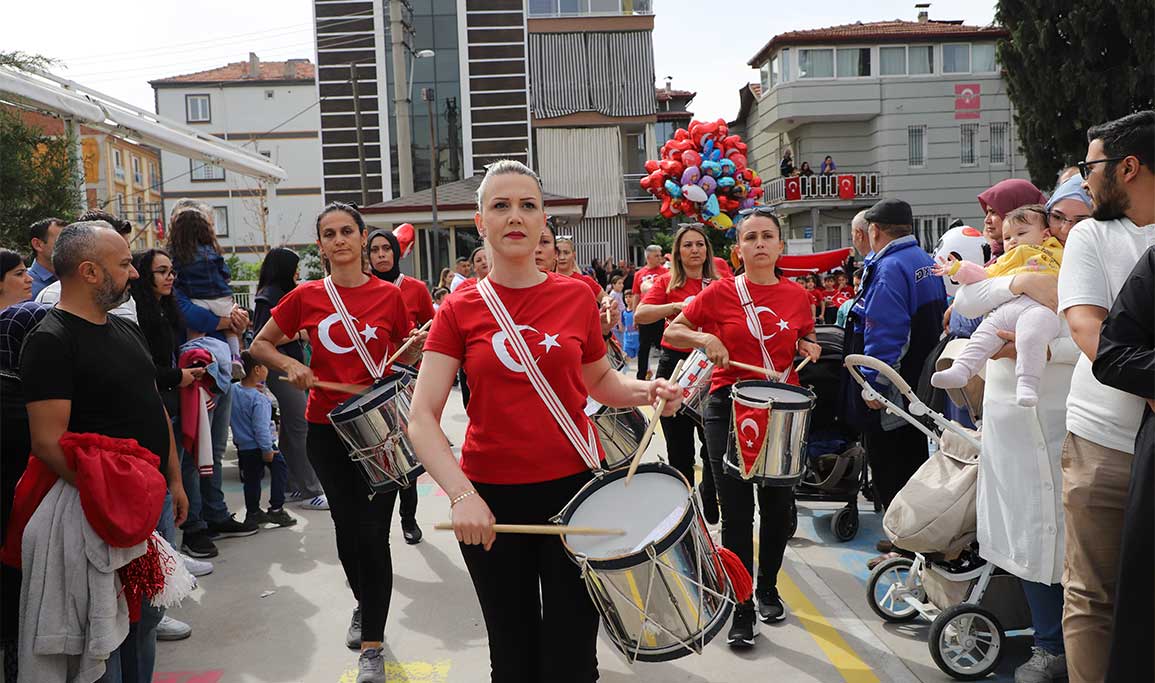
153 176
775 71
916 146
853 62
920 60
136 176
834 237
202 171
197 109
139 210
118 164
892 61
956 59
269 94
929 229
983 56
968 144
766 79
1000 132
784 64
816 63
221 221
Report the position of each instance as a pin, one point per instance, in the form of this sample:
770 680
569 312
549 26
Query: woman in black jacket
278 276
161 322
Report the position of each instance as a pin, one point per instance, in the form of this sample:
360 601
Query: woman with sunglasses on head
781 327
522 460
691 271
356 321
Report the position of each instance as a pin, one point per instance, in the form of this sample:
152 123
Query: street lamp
420 54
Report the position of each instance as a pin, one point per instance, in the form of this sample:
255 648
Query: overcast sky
703 45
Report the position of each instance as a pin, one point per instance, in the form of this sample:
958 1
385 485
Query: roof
664 95
879 32
458 195
303 70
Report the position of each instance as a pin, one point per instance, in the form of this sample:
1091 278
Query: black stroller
835 466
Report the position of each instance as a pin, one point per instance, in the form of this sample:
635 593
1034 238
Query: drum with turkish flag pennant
846 187
771 421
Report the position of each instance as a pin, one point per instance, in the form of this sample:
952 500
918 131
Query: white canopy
68 99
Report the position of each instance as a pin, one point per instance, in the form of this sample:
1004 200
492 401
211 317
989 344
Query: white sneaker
172 629
316 503
196 567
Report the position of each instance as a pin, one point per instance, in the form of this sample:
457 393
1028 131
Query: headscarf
1072 188
1007 195
393 273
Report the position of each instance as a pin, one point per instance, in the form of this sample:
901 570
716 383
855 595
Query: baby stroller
970 603
835 466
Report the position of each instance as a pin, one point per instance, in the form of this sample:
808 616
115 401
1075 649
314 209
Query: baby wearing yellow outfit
1029 248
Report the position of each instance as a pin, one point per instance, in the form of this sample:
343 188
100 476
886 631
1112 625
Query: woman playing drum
521 462
327 309
783 314
691 269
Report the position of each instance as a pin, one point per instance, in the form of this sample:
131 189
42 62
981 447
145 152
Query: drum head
779 394
651 508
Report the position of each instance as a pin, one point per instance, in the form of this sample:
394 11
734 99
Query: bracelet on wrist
460 497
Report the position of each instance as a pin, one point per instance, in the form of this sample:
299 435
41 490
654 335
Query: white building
916 110
265 106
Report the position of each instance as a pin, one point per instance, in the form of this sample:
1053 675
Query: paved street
276 610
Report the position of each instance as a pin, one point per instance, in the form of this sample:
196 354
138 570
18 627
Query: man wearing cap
897 318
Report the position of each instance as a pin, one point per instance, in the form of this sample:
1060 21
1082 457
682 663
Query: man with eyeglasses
1101 421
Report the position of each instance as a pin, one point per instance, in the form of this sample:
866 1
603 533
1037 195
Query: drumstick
334 386
405 346
766 371
637 459
543 529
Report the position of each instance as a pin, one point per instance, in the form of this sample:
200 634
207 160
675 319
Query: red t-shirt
647 274
378 312
783 310
815 298
418 302
847 291
658 296
512 438
468 281
828 296
589 282
722 268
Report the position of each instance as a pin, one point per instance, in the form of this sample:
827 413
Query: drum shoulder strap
376 370
754 325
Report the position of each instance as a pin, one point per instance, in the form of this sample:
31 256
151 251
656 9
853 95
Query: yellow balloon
722 221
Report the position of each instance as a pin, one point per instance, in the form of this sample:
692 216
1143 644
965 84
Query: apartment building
911 109
265 106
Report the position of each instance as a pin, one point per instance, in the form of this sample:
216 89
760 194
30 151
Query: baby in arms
1029 247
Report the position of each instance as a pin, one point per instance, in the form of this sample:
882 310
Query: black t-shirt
105 370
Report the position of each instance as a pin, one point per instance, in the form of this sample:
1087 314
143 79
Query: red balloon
681 134
691 158
755 193
665 210
405 236
651 166
739 160
671 168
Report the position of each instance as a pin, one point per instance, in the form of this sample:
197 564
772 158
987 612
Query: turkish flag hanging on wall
846 187
967 101
793 189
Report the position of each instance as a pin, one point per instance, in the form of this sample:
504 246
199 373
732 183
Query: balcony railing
866 185
634 191
543 9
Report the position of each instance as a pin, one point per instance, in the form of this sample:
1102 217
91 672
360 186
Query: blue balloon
710 208
725 182
673 188
712 168
707 148
716 155
728 167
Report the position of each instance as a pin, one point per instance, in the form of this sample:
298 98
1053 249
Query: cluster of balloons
703 175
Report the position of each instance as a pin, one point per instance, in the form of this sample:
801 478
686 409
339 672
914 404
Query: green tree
661 231
38 175
1069 65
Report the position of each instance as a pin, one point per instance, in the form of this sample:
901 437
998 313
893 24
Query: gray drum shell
378 436
783 450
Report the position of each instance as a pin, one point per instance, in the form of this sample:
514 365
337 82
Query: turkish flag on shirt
793 189
750 433
846 187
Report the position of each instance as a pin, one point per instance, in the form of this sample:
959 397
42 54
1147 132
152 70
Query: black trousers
1134 624
894 456
679 430
736 498
15 446
361 524
541 621
649 337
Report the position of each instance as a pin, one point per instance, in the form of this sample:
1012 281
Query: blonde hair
505 167
677 270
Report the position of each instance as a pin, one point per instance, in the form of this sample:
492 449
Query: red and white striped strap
752 323
377 370
586 447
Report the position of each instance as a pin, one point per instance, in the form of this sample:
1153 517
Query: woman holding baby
1020 514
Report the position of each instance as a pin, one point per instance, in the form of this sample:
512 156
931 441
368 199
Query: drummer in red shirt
385 263
354 321
783 310
518 462
650 335
691 269
567 266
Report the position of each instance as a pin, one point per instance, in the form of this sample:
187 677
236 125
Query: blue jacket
205 278
897 318
252 420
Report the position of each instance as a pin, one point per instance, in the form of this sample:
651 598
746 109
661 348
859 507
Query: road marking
408 672
833 645
212 676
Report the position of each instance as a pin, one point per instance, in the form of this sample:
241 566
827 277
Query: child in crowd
252 423
842 284
829 291
808 281
1028 246
617 285
439 295
844 309
202 274
630 341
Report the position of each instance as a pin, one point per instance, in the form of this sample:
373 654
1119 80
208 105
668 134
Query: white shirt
1097 259
458 278
50 296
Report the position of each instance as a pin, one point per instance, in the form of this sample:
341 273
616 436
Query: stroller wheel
966 642
887 585
844 523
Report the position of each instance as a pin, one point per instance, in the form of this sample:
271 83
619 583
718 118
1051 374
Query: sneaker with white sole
172 629
371 666
1042 667
315 503
744 627
771 609
196 567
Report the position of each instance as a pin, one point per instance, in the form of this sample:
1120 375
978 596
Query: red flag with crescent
793 189
750 433
846 187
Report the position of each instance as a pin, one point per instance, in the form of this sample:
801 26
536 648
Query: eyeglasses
757 211
1085 166
164 273
1061 219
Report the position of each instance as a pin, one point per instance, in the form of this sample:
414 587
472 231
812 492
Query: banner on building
967 104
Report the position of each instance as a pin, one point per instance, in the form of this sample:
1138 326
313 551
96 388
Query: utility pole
401 98
360 135
263 215
451 123
428 95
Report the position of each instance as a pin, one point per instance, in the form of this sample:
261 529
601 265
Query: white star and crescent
748 422
325 335
501 343
781 324
549 341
